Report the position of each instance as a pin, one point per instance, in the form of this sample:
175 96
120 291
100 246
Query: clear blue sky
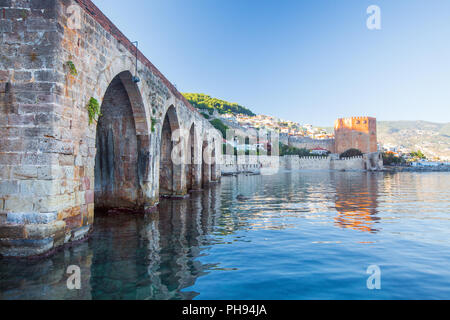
307 61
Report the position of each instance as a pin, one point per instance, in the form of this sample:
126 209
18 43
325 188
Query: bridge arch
123 147
171 155
124 66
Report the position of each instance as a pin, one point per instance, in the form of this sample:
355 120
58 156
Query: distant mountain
209 104
431 138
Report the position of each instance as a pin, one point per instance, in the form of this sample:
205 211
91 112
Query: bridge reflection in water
158 255
129 256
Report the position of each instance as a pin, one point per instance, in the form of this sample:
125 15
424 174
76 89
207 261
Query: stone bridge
56 166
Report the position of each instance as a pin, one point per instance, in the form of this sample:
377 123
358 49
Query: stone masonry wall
348 164
309 144
48 147
322 163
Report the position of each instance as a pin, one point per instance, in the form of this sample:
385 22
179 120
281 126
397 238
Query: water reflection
356 201
285 232
130 256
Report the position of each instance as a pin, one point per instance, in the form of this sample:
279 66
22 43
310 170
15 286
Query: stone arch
171 155
124 65
122 144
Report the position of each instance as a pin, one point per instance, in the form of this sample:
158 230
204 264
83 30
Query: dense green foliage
205 115
292 151
352 153
219 125
418 154
209 104
390 159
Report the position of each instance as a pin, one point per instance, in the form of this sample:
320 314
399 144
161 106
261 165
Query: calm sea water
300 235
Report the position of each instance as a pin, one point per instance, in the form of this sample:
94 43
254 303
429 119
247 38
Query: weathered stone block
44 231
21 119
18 204
12 231
47 173
31 218
25 172
5 25
38 187
66 160
22 76
4 76
11 145
5 172
8 188
48 76
10 158
40 24
39 159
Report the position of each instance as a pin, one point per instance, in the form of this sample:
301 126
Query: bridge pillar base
34 235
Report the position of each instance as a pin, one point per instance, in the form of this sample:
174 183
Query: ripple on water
300 235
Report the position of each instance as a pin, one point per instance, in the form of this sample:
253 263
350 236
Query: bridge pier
56 164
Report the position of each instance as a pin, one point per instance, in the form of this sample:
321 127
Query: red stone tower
356 133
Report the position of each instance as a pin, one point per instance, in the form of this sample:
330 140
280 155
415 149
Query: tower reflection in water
356 201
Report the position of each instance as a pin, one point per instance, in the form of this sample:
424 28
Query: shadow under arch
170 171
123 147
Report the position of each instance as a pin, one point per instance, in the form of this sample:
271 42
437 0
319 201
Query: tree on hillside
418 154
219 125
209 104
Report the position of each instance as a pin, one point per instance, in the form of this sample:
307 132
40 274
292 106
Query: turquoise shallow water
300 235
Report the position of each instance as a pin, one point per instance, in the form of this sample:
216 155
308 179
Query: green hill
207 103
